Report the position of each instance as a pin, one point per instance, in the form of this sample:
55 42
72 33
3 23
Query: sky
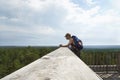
45 22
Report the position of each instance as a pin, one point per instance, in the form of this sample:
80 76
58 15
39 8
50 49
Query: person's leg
77 52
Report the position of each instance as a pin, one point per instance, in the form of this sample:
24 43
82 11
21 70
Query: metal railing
103 62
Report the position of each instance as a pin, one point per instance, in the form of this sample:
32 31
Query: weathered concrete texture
60 64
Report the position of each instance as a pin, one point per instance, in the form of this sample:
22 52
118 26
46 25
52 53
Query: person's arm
70 42
64 45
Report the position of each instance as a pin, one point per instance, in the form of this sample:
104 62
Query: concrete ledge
60 64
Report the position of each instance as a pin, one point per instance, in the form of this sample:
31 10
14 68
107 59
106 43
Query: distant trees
12 59
100 56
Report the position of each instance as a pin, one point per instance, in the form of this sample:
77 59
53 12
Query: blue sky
45 22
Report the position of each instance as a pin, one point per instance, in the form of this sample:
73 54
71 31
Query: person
75 44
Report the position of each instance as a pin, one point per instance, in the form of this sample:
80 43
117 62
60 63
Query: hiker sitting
74 44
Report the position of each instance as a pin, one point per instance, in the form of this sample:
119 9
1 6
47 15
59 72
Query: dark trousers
77 52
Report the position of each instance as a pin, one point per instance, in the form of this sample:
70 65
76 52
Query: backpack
76 43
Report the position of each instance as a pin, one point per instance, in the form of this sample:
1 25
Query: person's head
68 36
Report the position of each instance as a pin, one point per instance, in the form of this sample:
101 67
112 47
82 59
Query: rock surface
60 64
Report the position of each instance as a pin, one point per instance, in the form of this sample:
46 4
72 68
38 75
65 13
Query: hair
68 34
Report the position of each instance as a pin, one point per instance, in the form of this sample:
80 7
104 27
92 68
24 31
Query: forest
14 58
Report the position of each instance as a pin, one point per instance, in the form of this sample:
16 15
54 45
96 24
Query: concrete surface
60 64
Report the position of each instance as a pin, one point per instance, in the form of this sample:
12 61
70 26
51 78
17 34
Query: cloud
90 2
115 4
48 20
